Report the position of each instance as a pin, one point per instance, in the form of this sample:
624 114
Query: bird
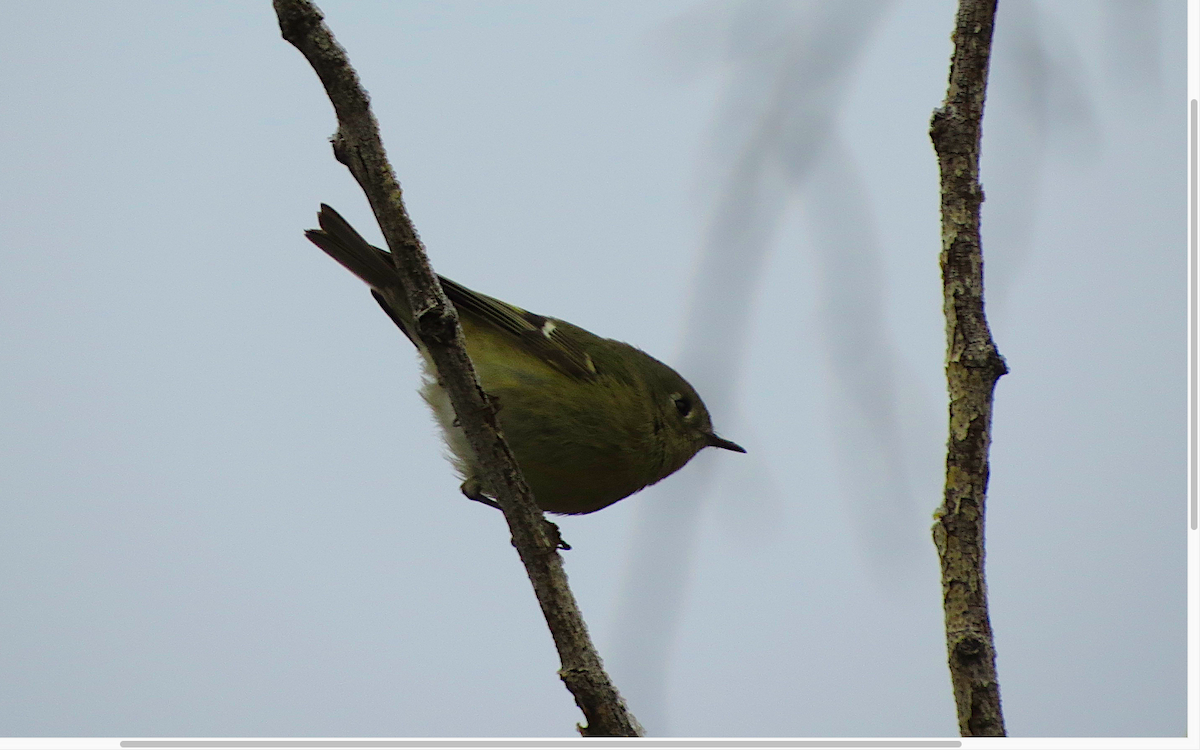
590 420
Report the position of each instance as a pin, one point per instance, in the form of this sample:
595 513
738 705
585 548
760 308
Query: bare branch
357 145
973 365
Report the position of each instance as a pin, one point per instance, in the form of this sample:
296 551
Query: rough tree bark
973 365
357 145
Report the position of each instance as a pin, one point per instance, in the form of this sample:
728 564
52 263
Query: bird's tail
341 242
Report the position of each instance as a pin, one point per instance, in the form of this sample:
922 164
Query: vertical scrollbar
1192 257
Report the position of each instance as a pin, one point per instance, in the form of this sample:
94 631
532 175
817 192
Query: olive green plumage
590 420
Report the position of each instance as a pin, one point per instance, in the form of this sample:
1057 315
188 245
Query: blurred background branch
776 146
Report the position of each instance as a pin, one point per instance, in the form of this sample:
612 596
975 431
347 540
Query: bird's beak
720 442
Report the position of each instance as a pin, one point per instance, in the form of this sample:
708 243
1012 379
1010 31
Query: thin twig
973 365
357 145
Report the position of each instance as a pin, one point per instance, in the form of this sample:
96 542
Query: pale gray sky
224 507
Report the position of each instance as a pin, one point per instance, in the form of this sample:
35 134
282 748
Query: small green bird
590 420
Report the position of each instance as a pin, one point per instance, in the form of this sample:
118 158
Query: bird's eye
683 404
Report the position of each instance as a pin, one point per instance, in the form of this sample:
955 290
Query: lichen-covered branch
973 365
357 145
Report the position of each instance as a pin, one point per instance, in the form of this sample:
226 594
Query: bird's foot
473 490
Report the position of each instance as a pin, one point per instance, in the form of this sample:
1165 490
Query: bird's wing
553 341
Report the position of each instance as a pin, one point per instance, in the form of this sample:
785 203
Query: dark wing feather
550 340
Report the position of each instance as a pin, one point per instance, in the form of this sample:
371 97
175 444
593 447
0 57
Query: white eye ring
683 404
